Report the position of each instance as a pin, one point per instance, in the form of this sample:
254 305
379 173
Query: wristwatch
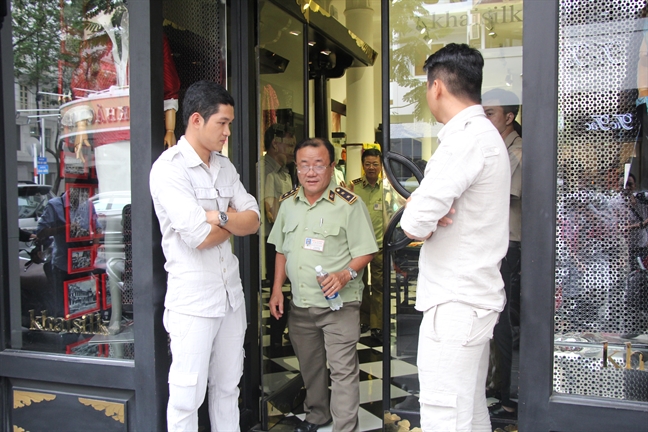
222 218
353 273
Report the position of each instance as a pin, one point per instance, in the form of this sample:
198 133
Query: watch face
223 218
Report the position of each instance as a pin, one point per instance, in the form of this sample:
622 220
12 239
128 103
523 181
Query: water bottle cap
318 268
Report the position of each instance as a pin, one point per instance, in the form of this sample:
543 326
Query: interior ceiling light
325 52
312 43
295 33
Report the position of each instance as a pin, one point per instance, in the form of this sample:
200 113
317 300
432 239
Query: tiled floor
281 366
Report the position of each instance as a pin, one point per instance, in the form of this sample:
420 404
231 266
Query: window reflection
73 117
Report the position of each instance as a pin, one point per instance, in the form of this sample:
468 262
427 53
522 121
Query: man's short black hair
205 98
460 67
371 152
317 142
505 99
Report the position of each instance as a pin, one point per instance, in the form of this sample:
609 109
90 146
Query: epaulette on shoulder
356 181
346 195
289 194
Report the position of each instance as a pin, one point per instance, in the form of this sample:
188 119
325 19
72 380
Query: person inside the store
200 203
460 289
501 108
369 188
279 143
323 224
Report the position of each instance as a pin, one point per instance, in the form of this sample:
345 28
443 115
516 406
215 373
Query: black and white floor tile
280 366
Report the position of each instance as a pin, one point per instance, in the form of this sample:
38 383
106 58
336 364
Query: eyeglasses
304 169
371 165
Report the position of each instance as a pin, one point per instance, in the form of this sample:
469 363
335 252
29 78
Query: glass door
417 30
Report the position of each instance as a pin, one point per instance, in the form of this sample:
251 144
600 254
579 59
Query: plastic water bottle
334 301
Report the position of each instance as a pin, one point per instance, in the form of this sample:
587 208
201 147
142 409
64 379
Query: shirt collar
272 164
327 195
510 138
191 157
365 182
459 121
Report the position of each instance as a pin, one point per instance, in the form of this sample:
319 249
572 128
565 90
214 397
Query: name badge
377 206
314 244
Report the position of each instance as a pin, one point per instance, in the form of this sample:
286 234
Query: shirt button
222 259
224 270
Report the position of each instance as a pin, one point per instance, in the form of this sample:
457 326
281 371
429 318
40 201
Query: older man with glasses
320 223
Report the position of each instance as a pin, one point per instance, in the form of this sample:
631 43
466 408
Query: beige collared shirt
513 143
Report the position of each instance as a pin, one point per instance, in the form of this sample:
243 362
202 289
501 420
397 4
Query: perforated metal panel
196 33
600 282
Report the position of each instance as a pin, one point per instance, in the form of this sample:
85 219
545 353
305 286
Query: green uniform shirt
338 224
373 199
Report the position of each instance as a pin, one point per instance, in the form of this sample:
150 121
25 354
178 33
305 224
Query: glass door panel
418 29
281 95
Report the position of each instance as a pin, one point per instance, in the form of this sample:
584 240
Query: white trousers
205 351
453 363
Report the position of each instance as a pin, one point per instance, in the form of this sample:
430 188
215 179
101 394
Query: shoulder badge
346 195
289 194
356 181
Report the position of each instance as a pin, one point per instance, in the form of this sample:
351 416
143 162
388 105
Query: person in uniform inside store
501 108
320 223
279 143
369 188
200 203
460 290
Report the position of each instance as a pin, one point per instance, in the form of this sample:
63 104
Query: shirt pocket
329 233
289 231
225 195
206 197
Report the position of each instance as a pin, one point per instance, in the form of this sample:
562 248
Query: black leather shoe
498 411
305 426
364 328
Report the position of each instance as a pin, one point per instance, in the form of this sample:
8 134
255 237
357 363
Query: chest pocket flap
205 193
327 230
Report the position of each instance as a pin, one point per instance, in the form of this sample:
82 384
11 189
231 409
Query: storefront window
601 290
71 69
418 29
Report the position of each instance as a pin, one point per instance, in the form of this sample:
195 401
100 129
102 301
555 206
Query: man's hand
443 222
277 303
335 282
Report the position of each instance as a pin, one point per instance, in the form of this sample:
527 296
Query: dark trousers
277 327
503 332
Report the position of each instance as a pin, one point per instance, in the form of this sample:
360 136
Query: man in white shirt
460 289
200 202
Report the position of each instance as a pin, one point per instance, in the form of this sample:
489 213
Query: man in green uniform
369 188
320 223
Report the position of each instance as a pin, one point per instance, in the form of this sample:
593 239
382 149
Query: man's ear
195 120
510 118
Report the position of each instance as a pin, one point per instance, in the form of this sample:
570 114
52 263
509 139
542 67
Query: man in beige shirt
501 108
